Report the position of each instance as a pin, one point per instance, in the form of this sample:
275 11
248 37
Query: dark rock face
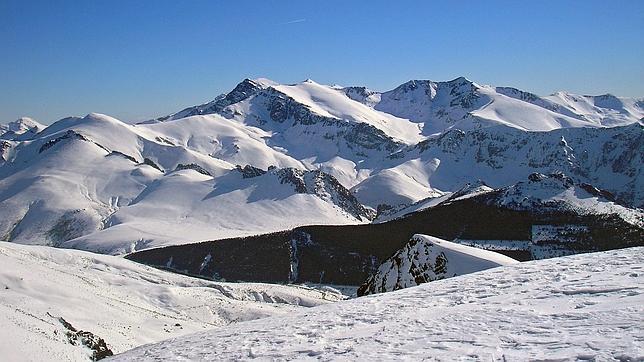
249 171
294 177
448 142
96 344
470 187
283 108
359 94
518 94
326 187
565 181
416 260
70 225
369 137
193 166
316 182
4 150
68 135
242 91
597 192
117 153
465 95
149 162
164 140
520 197
462 92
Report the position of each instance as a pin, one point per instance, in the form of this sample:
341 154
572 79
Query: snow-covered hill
100 184
427 258
582 307
124 303
22 128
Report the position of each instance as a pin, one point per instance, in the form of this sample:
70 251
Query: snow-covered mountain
606 157
22 128
443 134
426 258
100 184
69 305
463 104
582 307
317 155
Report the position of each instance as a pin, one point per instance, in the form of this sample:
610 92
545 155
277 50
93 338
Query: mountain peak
261 82
24 124
425 84
309 81
460 79
93 116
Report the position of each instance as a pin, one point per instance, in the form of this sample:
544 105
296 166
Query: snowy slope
79 171
188 206
124 303
222 139
582 307
427 258
118 188
605 109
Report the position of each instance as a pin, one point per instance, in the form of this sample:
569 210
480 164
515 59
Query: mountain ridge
75 182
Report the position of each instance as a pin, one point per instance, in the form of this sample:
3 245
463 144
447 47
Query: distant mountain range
268 157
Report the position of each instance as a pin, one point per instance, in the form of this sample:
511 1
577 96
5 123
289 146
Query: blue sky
139 59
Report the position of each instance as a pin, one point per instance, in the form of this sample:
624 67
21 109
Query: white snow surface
582 307
125 303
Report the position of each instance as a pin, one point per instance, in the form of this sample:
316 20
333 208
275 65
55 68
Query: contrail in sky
294 21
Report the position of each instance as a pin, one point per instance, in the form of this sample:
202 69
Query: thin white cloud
293 21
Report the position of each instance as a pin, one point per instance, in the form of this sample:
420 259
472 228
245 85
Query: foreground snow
585 307
125 303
